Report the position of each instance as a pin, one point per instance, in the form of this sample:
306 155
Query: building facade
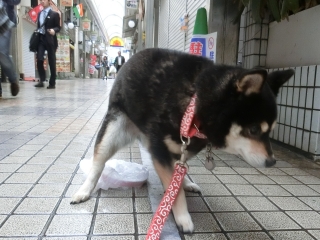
268 44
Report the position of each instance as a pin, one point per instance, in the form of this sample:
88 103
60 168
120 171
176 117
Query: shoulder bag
35 38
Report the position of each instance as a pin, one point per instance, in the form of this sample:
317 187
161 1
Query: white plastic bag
118 174
113 69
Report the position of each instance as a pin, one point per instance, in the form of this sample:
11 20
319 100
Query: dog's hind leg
179 208
116 132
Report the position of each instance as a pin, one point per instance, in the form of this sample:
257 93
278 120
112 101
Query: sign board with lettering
204 45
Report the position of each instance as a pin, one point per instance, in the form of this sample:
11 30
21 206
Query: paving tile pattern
45 133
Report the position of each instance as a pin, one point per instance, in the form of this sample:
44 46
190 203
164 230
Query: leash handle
166 203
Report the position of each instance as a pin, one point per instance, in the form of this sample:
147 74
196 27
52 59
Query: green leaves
279 9
255 8
273 5
287 6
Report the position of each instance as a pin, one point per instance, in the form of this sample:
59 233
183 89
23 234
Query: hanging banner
63 54
66 3
86 25
204 45
93 59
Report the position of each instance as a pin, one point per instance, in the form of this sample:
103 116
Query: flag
33 13
78 10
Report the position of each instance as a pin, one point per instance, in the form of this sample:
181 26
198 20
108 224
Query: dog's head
256 115
245 113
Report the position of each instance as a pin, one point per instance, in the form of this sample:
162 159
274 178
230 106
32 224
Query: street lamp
70 25
131 24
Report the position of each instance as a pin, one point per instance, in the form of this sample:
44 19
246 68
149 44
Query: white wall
295 42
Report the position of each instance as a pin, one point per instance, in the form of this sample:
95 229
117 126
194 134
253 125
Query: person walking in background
7 66
49 42
119 61
105 67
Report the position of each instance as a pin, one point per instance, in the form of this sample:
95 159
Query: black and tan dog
236 109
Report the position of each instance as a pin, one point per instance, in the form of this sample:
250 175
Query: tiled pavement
45 133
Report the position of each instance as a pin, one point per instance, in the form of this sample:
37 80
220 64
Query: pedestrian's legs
52 64
40 60
5 60
102 72
6 63
118 67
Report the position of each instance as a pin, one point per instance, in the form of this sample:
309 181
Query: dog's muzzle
270 162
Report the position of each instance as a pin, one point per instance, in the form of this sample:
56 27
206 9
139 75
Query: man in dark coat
119 61
5 39
49 42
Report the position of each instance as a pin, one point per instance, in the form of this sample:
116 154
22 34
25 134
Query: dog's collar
190 124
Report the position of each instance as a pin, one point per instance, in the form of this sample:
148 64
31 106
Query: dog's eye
254 130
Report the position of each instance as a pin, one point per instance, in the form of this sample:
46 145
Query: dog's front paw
184 223
191 187
79 197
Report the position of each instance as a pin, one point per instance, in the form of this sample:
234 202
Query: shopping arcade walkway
44 134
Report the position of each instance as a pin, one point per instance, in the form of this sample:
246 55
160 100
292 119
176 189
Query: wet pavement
45 133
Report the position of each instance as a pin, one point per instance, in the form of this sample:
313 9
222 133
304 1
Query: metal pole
76 52
84 55
149 43
156 23
139 47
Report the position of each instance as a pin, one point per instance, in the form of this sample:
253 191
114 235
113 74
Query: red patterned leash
188 129
166 203
189 123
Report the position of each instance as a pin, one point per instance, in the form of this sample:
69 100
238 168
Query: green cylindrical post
201 26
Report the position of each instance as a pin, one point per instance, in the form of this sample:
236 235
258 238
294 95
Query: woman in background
104 68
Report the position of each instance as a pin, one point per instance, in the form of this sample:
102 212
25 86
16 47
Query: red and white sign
86 26
33 13
93 59
91 69
204 45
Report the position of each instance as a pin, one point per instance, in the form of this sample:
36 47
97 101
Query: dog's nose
270 162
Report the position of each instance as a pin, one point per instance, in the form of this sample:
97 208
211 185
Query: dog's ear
278 78
252 81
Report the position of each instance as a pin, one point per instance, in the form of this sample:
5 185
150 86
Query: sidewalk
45 133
